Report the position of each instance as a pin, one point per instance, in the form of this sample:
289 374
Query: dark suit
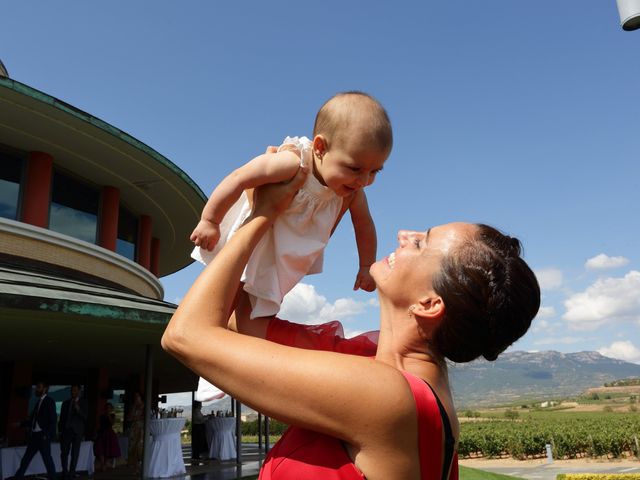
73 416
44 415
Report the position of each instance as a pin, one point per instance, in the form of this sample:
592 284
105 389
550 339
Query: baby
352 139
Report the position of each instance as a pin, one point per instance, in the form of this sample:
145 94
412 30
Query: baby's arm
263 169
366 240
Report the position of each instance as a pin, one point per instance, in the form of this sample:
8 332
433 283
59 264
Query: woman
106 447
456 291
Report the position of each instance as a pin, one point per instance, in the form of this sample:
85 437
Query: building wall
41 246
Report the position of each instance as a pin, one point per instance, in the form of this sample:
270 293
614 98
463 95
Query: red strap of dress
430 441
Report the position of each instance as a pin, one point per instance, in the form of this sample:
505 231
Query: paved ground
541 470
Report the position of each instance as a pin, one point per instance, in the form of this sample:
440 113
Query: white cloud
602 261
546 312
607 300
549 278
304 305
626 351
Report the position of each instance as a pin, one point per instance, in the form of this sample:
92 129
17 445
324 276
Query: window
10 179
74 208
127 234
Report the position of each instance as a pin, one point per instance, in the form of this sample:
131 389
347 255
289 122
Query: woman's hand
272 199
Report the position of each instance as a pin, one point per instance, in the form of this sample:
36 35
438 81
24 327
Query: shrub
598 476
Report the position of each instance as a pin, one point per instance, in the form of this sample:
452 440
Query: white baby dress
291 249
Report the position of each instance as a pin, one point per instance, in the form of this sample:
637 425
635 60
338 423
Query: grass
466 473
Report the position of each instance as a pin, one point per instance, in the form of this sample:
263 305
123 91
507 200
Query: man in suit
43 430
73 416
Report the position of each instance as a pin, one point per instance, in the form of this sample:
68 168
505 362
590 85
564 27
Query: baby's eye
416 242
354 169
378 170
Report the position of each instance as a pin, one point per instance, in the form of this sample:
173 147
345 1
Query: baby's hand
206 234
364 280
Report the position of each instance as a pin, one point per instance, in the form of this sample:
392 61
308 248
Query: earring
410 311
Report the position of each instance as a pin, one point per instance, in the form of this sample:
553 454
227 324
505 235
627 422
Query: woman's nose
404 236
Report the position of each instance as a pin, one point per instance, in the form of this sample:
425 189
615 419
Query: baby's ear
290 148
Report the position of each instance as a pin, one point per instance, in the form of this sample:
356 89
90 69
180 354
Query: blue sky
522 115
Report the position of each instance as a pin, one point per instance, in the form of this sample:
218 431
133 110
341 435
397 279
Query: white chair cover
221 437
166 448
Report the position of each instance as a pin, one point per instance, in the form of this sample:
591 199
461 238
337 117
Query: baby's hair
355 117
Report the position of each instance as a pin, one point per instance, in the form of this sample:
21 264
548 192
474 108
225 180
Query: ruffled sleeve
301 145
327 336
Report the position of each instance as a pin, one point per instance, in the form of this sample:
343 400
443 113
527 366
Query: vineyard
570 435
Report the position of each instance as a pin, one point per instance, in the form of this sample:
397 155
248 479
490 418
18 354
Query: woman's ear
431 307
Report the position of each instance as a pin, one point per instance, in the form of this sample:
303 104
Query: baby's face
346 170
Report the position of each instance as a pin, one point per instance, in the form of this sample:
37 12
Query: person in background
73 417
106 448
43 430
198 437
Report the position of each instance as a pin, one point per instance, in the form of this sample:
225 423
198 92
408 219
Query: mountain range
527 376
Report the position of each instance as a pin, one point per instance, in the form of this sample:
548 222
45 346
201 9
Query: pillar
37 189
19 390
144 241
96 391
155 256
109 210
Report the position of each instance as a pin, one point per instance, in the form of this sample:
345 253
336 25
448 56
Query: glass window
127 234
74 208
10 178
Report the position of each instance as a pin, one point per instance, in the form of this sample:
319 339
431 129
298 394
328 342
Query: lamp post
629 11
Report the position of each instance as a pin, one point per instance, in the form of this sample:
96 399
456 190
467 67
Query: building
90 218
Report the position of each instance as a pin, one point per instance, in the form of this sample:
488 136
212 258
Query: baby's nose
363 179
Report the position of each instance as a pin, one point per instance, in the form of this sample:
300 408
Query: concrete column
144 241
96 389
238 431
155 256
18 402
37 190
110 208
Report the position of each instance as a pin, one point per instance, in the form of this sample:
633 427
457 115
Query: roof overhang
67 326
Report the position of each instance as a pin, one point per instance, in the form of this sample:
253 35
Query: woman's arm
324 391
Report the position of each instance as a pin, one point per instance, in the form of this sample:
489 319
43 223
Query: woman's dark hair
490 296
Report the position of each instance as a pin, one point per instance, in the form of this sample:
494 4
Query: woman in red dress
457 291
106 448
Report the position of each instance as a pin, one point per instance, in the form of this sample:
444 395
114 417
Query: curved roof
149 183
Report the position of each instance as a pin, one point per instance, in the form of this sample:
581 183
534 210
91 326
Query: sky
522 115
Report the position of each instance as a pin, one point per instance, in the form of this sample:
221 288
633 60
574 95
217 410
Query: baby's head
352 139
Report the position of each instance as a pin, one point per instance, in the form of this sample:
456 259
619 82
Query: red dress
307 455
